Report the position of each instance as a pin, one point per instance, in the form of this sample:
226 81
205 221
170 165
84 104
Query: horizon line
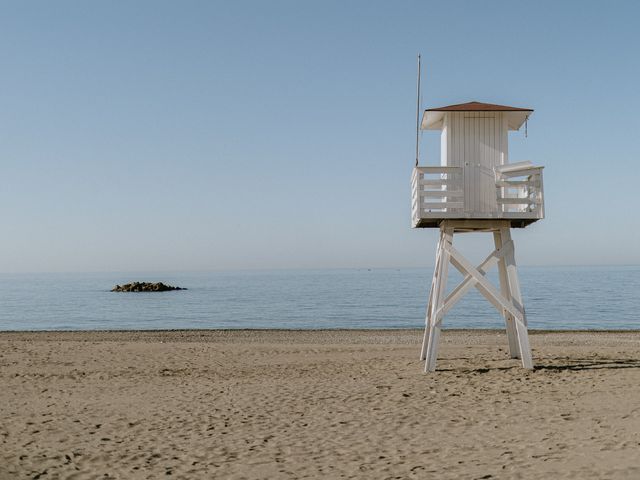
286 269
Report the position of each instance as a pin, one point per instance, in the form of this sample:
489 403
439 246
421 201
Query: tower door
480 157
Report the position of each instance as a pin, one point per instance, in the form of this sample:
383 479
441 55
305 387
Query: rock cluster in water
145 287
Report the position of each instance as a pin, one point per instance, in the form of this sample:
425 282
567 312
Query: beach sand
317 404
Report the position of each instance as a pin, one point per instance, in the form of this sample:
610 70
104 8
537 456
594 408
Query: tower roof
478 107
516 116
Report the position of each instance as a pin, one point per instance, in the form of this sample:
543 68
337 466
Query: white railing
519 191
436 192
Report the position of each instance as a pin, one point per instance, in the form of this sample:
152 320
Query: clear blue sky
190 135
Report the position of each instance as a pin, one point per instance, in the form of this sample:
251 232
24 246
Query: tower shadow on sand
561 365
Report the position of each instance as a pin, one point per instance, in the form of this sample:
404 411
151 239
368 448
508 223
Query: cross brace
507 300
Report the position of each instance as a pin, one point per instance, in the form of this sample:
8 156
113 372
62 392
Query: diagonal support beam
469 282
482 284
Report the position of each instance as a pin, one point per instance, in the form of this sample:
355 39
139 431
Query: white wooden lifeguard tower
476 189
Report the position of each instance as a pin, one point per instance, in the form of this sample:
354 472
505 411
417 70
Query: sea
556 298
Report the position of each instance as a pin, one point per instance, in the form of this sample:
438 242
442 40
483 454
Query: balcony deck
438 194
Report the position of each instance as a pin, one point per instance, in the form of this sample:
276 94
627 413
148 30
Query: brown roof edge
478 107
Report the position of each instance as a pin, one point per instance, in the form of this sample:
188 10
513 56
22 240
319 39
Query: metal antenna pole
418 117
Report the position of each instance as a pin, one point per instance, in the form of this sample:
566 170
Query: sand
333 404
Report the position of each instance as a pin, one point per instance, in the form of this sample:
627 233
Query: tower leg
516 298
425 339
446 239
509 320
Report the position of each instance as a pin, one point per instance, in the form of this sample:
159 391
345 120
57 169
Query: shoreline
399 336
532 331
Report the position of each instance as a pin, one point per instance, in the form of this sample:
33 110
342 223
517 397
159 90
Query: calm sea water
555 298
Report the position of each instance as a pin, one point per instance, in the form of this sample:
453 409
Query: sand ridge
316 404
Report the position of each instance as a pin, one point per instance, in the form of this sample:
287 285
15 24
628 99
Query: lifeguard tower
476 189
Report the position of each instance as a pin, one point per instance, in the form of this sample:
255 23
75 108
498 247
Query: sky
176 136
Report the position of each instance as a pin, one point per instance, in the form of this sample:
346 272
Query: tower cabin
475 179
476 189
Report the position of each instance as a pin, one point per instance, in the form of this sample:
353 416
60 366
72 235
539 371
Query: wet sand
326 404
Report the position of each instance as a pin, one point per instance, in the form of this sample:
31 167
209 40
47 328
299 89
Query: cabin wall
477 142
444 143
505 140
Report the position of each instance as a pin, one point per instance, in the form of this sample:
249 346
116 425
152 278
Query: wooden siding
477 142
